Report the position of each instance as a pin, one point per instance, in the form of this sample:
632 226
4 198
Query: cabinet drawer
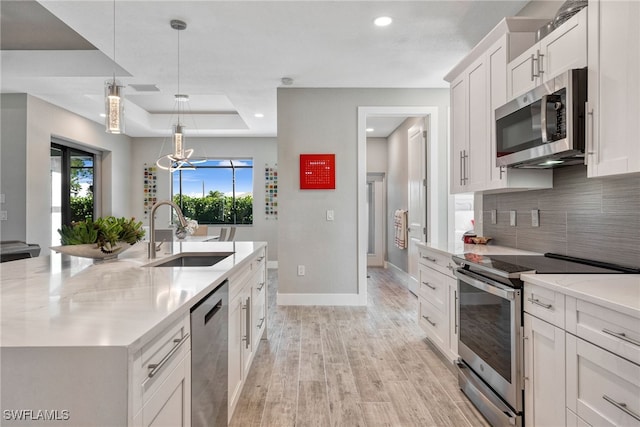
166 351
614 331
434 323
433 287
544 304
436 260
575 421
258 318
602 388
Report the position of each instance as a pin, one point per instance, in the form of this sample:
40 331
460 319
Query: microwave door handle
543 118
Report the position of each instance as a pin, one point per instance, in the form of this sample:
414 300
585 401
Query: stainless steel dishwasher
209 348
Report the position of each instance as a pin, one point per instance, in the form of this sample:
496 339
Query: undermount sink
195 259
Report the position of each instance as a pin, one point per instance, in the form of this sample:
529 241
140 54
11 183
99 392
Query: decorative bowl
480 240
92 250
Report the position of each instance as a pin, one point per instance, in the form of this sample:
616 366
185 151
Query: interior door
417 198
376 204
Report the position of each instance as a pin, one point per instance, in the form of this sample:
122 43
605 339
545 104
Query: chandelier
114 105
180 159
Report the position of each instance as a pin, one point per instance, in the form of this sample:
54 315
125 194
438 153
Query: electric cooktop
548 263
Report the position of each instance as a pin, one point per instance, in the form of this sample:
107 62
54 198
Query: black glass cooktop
543 264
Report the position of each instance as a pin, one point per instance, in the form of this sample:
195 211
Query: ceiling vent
145 88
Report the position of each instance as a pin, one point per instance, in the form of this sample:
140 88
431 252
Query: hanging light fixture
179 159
114 105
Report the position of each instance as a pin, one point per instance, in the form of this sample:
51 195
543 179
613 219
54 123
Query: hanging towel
400 227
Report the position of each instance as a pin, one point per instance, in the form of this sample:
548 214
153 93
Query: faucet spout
152 224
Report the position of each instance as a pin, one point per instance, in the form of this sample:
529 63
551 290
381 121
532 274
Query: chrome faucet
152 224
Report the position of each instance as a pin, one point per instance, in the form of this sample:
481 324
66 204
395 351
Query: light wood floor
351 366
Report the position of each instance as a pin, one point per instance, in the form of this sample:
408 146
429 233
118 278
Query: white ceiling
233 54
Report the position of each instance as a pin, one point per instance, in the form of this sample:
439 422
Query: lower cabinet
580 363
544 358
438 301
247 323
162 379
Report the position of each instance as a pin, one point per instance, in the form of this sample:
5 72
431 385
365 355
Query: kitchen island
77 337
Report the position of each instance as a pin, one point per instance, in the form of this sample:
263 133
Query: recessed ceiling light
382 21
103 115
258 115
370 129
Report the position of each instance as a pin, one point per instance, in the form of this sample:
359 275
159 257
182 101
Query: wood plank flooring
351 366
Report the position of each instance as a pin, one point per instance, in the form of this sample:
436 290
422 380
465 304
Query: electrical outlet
301 270
329 215
535 218
494 216
512 218
2 198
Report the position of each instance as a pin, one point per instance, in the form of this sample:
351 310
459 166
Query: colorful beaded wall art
271 191
150 183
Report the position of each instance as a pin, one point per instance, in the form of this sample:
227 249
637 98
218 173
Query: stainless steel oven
489 345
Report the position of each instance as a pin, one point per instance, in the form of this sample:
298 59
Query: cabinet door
544 358
458 134
235 350
453 318
565 47
522 73
497 78
614 88
478 121
170 405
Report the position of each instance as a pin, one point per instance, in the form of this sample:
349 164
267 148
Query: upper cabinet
613 110
478 87
563 49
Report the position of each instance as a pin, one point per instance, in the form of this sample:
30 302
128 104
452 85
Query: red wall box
317 171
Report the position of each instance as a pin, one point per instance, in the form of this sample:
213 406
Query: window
72 187
218 191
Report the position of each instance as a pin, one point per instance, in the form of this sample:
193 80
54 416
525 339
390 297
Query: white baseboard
323 299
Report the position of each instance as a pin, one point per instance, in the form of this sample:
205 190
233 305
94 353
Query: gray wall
325 121
591 218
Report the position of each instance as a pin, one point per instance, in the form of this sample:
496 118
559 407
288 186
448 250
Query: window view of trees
81 189
216 192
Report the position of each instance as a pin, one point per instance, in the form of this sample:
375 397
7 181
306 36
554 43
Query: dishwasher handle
212 312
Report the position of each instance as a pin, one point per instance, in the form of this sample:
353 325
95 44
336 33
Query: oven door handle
486 285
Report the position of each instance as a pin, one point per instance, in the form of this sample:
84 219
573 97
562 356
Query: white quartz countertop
619 292
460 248
64 301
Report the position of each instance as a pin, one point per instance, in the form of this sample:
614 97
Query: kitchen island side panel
63 386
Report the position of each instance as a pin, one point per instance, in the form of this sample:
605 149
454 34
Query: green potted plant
103 238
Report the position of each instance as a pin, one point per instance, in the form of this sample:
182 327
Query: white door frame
363 113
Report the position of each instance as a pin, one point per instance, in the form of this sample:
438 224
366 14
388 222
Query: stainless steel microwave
545 127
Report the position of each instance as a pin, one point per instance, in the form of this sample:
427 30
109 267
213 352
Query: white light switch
2 198
494 216
3 216
512 218
301 270
329 215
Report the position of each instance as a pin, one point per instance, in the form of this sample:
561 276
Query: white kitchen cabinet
162 378
544 358
613 88
478 87
437 301
247 323
603 389
562 49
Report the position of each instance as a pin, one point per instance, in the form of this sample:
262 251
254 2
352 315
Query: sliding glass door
72 187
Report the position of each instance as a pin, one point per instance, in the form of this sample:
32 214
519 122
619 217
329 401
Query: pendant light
114 104
179 159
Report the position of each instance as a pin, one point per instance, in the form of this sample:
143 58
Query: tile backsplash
595 218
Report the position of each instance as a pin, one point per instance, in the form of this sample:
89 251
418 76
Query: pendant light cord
114 41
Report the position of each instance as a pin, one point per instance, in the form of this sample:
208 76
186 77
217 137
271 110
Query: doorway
363 224
73 187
